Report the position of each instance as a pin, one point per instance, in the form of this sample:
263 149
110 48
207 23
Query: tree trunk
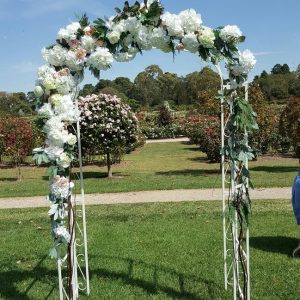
109 169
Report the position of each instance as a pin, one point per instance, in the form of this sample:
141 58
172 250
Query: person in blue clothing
296 208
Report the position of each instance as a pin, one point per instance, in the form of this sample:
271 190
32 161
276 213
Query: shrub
205 131
15 139
165 115
108 127
162 132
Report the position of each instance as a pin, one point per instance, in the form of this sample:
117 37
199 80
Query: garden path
148 197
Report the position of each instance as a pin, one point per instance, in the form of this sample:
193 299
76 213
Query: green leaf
118 10
53 253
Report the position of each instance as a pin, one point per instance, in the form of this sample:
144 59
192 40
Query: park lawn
159 166
152 251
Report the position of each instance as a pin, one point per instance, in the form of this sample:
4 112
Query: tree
147 88
290 117
165 115
14 104
108 126
280 69
15 139
87 89
202 88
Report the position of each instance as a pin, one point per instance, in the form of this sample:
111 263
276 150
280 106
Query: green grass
156 166
152 251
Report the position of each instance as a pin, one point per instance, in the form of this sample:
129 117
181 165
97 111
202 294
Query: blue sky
272 28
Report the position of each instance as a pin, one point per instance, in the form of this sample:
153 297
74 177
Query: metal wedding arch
136 28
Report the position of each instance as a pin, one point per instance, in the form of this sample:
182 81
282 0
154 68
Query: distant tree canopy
280 84
152 87
14 104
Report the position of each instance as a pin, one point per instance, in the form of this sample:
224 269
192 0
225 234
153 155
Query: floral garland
80 45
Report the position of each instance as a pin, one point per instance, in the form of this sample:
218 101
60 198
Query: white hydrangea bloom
101 59
62 232
88 43
190 42
190 20
246 63
53 152
69 33
65 109
46 77
143 38
160 39
55 56
65 83
132 24
73 61
127 40
46 110
206 37
230 33
173 24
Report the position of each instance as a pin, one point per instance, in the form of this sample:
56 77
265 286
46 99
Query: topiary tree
165 116
107 126
15 139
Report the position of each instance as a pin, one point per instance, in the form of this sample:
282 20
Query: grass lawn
152 251
156 166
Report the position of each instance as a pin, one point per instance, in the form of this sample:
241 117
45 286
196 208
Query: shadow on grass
156 284
9 179
275 169
190 172
12 282
275 244
11 279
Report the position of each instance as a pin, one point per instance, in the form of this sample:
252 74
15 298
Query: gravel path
148 197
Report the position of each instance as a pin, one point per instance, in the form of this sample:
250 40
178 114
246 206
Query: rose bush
108 127
15 139
205 131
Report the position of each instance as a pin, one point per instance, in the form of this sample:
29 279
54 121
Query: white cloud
25 67
261 53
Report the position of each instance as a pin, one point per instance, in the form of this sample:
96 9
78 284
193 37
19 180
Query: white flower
206 37
72 139
65 108
88 43
53 152
160 39
64 160
246 63
101 59
46 110
62 232
143 38
73 62
173 24
113 36
38 91
123 56
65 83
55 56
68 33
190 42
230 33
190 20
132 24
55 99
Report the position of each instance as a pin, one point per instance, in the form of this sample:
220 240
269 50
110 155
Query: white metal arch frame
95 45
